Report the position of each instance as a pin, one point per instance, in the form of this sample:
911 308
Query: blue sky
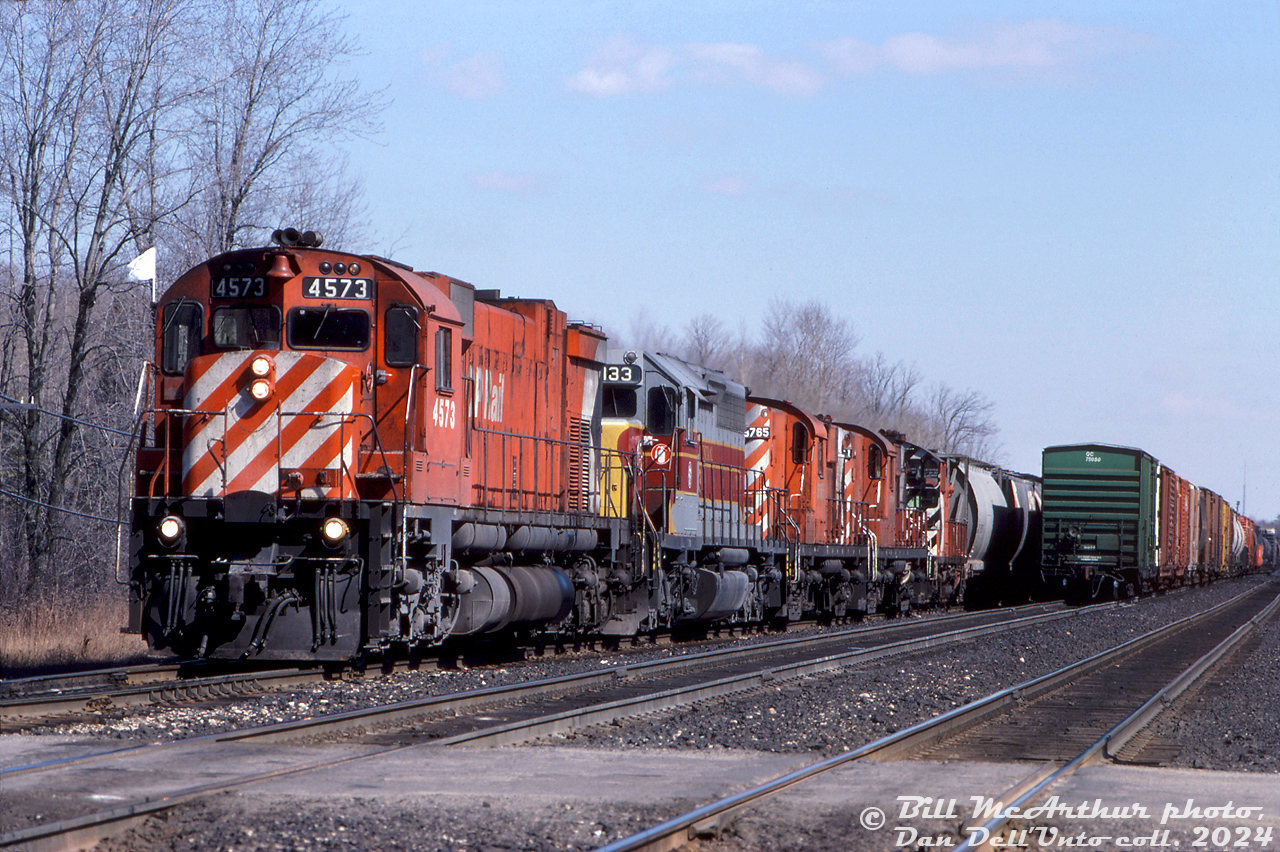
1073 208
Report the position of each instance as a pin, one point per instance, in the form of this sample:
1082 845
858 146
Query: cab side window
661 411
182 331
875 463
400 336
444 359
799 444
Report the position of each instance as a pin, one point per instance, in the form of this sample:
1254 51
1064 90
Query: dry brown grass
44 637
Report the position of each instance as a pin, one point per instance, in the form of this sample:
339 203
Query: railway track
158 686
488 716
1090 711
78 681
40 701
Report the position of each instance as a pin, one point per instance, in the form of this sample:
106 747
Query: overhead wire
98 426
75 420
57 508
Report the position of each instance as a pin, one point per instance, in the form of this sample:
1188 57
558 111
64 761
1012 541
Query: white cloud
1042 48
754 66
621 67
1034 46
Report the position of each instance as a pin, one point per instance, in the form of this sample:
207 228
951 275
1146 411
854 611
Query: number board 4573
235 287
317 287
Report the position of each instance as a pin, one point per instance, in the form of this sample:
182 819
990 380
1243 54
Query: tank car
1267 551
1002 511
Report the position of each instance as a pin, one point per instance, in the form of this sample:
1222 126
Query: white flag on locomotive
143 268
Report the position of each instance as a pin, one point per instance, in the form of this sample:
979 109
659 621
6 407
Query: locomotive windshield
328 328
246 328
619 401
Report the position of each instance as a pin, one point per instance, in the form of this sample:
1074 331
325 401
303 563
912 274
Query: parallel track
1070 694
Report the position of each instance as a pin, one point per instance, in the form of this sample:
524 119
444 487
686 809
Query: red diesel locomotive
341 456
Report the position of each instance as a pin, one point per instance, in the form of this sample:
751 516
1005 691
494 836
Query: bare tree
647 334
706 340
79 97
886 391
267 120
806 354
125 124
960 422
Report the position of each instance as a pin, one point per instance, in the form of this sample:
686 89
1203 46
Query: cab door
397 378
443 462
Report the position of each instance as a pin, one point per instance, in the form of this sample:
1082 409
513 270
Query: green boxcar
1100 526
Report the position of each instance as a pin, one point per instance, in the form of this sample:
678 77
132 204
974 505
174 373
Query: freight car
1118 523
341 456
1002 510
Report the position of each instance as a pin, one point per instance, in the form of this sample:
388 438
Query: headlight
261 366
260 389
171 529
335 531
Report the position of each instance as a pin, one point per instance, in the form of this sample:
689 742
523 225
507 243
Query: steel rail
21 687
454 702
133 686
678 830
154 693
66 834
665 699
1110 743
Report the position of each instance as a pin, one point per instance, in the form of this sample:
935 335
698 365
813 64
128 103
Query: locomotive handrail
624 462
843 512
543 500
139 416
720 493
346 419
402 558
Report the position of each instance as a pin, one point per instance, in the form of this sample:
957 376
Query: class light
334 530
261 366
171 529
260 389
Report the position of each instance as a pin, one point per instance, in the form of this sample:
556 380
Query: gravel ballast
815 716
827 714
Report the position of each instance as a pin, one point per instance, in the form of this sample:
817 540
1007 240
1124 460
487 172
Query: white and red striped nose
260 416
